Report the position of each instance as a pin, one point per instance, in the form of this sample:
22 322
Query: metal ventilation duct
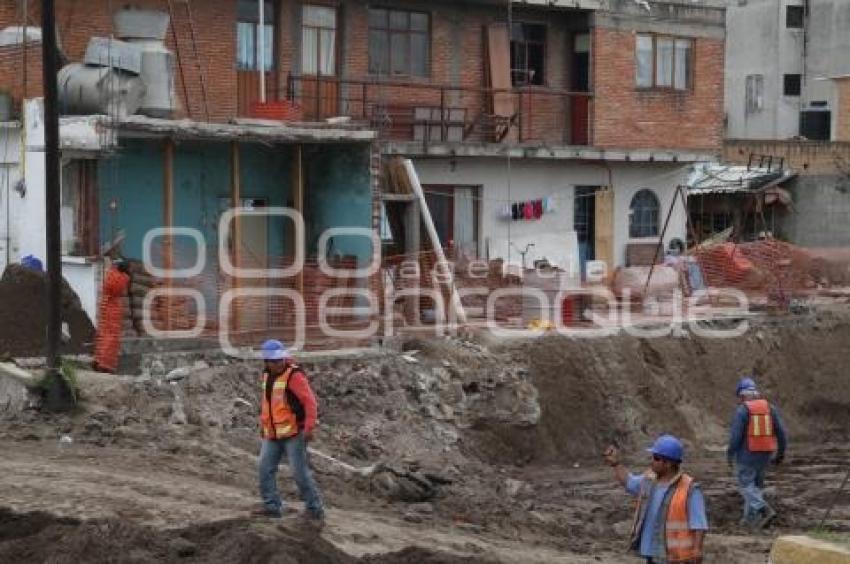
121 78
85 89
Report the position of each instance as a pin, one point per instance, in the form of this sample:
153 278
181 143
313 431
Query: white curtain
683 64
309 51
643 61
664 62
245 45
464 224
327 65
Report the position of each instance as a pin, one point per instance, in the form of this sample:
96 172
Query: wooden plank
604 234
498 49
392 197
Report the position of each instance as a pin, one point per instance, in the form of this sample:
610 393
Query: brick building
527 121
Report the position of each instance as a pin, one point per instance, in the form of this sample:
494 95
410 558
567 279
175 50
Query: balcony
434 114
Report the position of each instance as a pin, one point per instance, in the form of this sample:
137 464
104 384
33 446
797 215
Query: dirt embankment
628 390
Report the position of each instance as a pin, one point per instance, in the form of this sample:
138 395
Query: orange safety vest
760 434
679 540
277 419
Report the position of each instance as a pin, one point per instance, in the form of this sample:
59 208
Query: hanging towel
506 212
538 209
528 211
515 211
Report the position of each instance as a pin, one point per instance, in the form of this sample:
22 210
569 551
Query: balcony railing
403 111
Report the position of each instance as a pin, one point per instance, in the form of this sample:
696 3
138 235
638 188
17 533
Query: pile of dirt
628 390
23 315
39 537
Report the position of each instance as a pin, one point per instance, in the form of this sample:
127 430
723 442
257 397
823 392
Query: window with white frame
664 62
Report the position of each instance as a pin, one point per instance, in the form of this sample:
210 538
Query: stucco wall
529 180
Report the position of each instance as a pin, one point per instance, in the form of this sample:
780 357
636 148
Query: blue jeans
750 482
295 449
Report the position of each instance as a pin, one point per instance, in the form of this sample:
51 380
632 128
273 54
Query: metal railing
412 111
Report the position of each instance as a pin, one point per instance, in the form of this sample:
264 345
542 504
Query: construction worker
670 521
757 434
288 421
110 317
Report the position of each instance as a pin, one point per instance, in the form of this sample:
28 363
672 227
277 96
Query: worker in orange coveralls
110 317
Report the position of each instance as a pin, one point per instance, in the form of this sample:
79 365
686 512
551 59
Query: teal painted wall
201 190
338 194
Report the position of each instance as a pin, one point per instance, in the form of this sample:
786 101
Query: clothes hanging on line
531 210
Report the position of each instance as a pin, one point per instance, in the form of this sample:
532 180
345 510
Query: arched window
643 215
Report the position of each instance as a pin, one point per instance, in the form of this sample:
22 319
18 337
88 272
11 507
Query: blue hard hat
669 447
274 350
745 384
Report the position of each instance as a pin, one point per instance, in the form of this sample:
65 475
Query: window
78 214
663 62
528 54
248 35
643 215
755 93
318 41
399 43
791 86
794 17
816 125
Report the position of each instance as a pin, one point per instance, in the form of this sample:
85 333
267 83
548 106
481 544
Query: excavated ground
510 431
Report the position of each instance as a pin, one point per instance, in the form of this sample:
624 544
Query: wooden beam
412 248
398 197
298 202
236 234
168 219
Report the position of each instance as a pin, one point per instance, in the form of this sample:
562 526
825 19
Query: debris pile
23 317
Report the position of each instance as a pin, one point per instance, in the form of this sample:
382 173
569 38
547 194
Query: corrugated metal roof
730 179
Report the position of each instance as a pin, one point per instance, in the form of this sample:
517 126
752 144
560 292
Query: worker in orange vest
287 420
670 520
110 317
756 436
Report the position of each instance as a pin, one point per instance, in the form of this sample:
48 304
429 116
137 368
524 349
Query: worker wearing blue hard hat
288 410
757 435
670 519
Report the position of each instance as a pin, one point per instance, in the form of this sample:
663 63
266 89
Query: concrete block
805 550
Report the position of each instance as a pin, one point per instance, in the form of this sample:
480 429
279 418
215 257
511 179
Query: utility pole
59 395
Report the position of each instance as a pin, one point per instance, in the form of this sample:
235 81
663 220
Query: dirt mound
628 390
23 314
38 537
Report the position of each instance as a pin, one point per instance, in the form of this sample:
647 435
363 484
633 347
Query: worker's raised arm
612 459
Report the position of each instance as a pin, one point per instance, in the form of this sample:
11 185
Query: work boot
263 511
314 520
767 515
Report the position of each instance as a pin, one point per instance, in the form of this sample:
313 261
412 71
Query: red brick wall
628 118
215 34
11 75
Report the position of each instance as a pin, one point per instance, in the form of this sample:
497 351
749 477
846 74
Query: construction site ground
509 433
